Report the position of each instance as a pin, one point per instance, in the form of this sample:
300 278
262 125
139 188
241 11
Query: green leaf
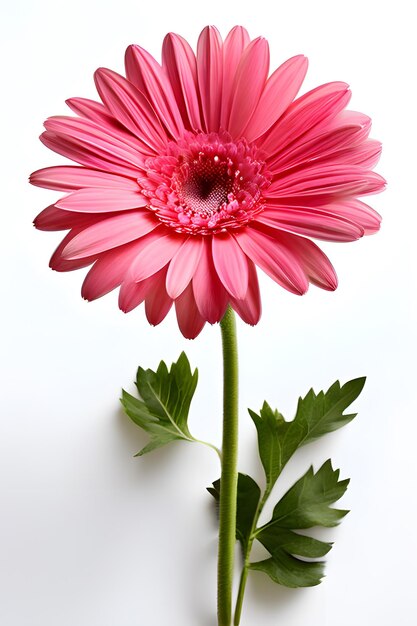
293 543
317 414
163 407
289 571
248 496
323 413
306 504
271 428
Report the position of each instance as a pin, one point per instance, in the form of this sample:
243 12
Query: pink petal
52 218
99 114
357 212
109 271
210 75
326 180
130 107
366 154
91 145
314 262
231 265
132 294
71 177
352 118
58 261
101 200
311 222
84 154
92 110
210 295
233 47
157 252
280 90
110 233
321 147
183 266
189 319
249 83
179 63
274 258
148 77
305 116
157 302
249 309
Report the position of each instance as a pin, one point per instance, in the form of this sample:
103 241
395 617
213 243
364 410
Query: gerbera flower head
194 173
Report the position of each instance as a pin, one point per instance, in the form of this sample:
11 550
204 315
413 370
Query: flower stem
228 480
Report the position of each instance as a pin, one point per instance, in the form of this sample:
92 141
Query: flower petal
104 134
179 63
321 147
132 294
366 154
311 222
210 295
305 116
52 218
157 252
231 265
249 309
71 177
189 319
233 47
315 263
92 145
110 233
145 73
274 258
59 263
249 83
157 301
326 180
280 90
349 219
94 111
357 212
183 265
83 154
101 200
130 107
110 270
210 75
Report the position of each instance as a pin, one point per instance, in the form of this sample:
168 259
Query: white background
91 536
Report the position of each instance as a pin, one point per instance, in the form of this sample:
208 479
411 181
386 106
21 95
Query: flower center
206 183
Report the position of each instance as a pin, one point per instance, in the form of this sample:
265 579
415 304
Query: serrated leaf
301 545
289 571
323 413
163 407
317 414
248 496
271 428
306 504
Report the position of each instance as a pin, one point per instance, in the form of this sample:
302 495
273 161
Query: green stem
246 561
228 480
210 445
242 586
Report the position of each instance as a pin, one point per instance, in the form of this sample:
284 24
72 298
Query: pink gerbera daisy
198 171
